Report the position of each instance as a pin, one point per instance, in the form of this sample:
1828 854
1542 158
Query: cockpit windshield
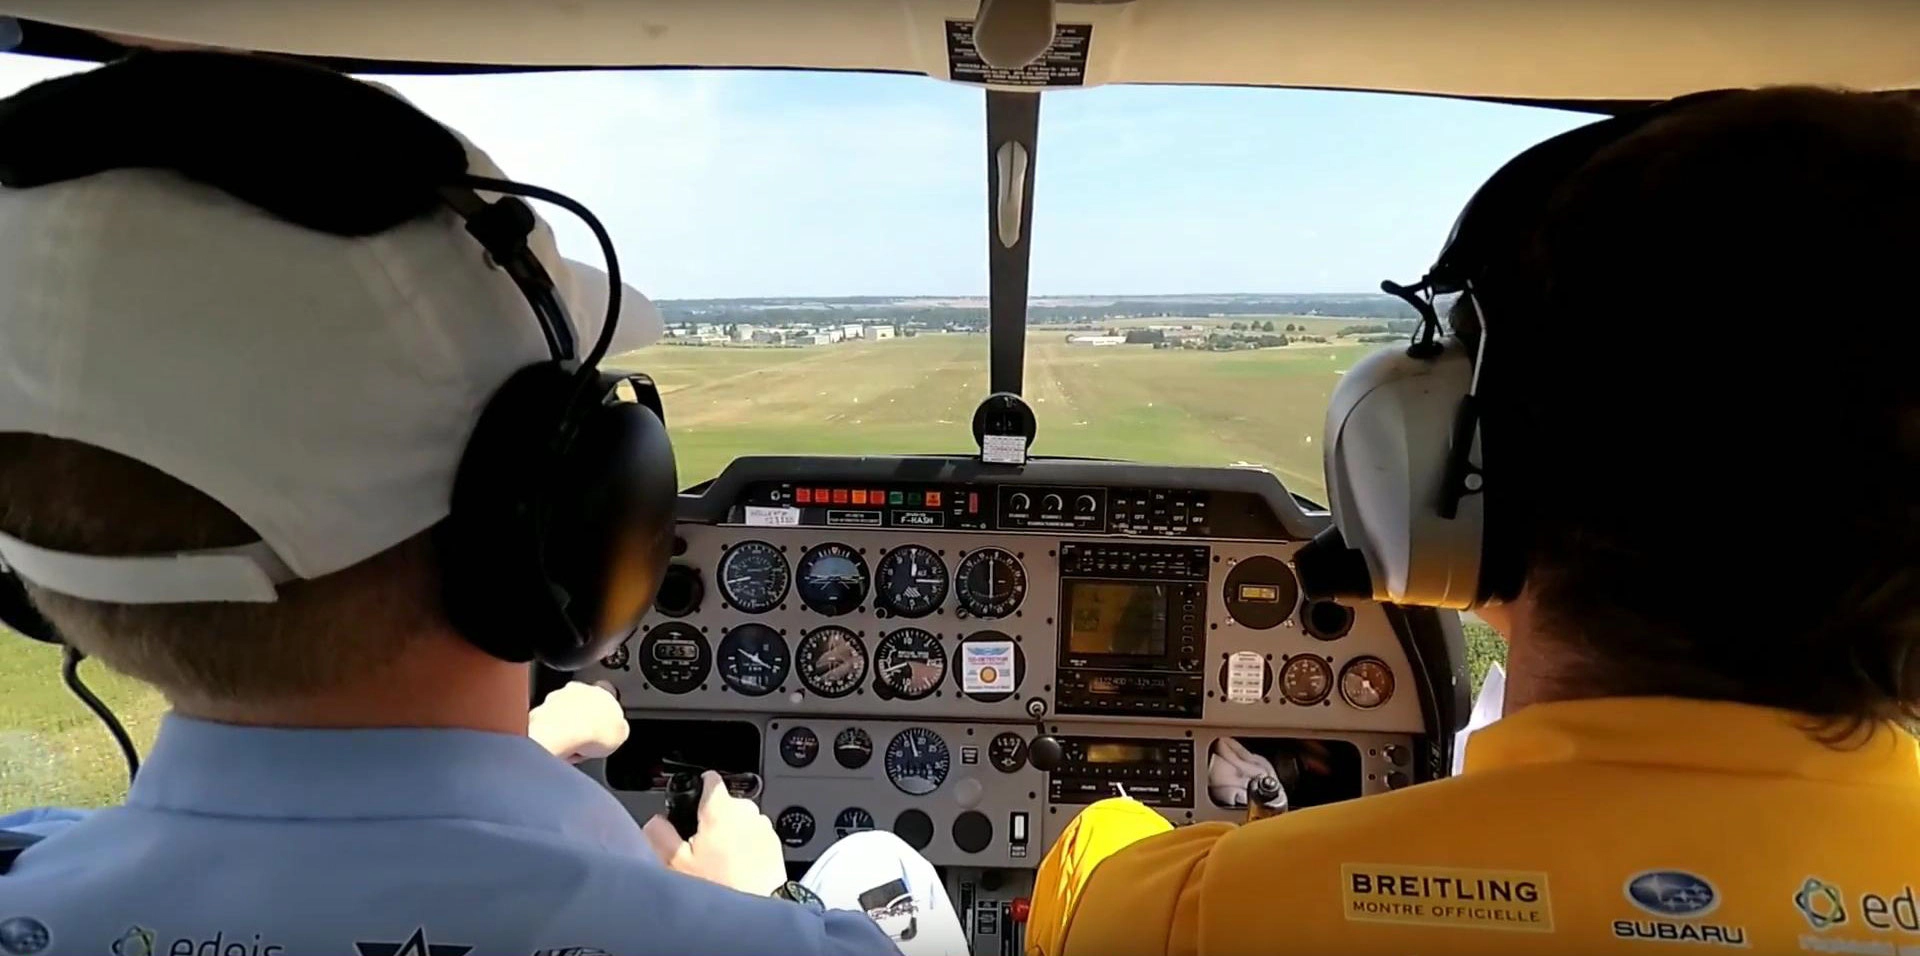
1205 260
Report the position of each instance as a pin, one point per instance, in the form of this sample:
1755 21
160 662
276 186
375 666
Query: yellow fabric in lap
1097 833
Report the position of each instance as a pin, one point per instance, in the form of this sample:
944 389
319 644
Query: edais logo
136 941
1819 901
1677 898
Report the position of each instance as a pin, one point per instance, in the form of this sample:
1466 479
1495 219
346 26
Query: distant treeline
910 312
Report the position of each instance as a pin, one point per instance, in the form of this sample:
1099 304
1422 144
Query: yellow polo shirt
1647 825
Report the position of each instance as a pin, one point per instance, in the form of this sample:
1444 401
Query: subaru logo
1673 894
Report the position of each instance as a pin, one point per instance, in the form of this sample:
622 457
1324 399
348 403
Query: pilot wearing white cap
226 442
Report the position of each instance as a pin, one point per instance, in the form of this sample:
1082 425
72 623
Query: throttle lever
1265 798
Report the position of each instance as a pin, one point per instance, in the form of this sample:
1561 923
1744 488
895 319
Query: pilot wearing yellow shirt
1676 463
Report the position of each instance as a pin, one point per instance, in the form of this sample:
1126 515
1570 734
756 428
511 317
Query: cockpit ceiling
1521 49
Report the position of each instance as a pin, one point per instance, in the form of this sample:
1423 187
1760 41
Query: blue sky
719 184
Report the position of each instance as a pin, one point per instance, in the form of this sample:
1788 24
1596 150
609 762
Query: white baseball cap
321 388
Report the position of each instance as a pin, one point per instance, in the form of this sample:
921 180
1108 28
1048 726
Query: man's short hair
321 634
1709 408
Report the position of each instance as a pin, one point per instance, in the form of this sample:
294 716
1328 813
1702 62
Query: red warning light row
867 497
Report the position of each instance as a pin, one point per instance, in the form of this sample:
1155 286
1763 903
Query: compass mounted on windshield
1003 427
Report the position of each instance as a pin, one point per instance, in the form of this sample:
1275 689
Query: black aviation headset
561 521
1419 514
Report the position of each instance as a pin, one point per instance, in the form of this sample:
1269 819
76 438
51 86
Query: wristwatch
795 893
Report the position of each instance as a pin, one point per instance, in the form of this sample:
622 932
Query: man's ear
1499 615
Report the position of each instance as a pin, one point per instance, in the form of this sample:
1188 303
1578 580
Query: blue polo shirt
247 841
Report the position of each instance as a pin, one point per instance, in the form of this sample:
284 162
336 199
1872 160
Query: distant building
817 338
1096 339
850 331
879 332
767 336
834 335
744 332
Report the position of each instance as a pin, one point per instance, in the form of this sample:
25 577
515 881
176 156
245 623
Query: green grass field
894 397
52 749
918 395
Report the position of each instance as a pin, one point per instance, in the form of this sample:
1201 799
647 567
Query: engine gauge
799 746
1008 752
909 664
911 581
675 658
990 583
852 820
918 761
794 826
1306 680
1366 682
832 661
753 577
852 748
754 659
833 578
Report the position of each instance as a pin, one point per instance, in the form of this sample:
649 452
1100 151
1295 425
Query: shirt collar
375 774
1697 735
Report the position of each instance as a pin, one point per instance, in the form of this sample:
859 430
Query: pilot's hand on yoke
579 722
735 845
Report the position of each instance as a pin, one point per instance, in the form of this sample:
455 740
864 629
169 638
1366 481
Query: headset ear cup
1389 434
562 519
608 534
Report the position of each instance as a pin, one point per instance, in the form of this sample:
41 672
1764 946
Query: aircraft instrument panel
884 640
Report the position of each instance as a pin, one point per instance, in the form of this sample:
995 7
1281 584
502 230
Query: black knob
1397 780
1044 753
972 831
681 591
1263 789
1395 754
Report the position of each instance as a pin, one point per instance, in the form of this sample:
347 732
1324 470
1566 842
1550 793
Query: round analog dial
794 826
918 761
754 659
832 661
990 583
909 664
852 820
799 746
675 658
1306 679
911 581
1008 752
1366 683
852 748
833 578
753 577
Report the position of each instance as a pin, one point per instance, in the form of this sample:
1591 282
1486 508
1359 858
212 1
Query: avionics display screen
1106 617
1124 753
